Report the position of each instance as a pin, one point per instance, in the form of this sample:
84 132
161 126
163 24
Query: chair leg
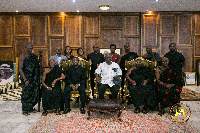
88 114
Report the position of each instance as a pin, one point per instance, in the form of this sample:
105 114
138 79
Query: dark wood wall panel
54 43
168 24
44 55
197 24
111 37
89 42
197 46
131 25
38 30
56 25
134 44
184 29
150 29
92 25
111 21
6 30
6 54
164 44
22 25
186 51
20 43
73 30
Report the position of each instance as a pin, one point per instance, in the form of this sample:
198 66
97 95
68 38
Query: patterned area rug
108 122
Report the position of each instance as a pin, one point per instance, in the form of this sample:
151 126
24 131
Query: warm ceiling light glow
104 7
156 0
147 10
16 10
62 13
74 1
77 11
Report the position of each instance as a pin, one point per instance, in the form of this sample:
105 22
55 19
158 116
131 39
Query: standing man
96 57
58 57
152 56
107 70
75 80
30 77
126 56
115 56
176 60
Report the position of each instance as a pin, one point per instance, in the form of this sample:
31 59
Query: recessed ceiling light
104 7
74 0
77 11
16 10
156 0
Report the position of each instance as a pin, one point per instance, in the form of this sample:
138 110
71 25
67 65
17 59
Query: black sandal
137 110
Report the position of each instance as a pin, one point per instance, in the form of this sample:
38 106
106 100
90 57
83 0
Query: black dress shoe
67 110
82 110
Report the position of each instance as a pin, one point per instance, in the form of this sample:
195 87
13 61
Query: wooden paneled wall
49 30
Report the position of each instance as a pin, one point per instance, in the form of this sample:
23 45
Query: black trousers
102 88
82 93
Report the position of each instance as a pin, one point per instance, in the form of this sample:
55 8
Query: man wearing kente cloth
141 79
176 60
30 77
51 89
169 85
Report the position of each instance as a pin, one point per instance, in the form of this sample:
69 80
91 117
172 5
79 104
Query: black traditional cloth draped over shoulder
31 72
169 97
51 98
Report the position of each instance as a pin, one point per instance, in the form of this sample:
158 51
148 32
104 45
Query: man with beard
176 60
30 77
126 56
96 57
152 56
58 57
75 80
108 70
141 79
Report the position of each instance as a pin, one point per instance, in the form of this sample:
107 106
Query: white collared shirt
107 72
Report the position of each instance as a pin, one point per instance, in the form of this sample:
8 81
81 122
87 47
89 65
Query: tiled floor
12 120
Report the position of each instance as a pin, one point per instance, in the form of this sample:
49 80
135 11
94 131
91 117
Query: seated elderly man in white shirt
108 70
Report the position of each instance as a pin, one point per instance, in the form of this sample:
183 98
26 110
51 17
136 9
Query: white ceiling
93 5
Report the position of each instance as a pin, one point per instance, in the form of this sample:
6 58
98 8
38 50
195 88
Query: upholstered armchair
86 65
130 64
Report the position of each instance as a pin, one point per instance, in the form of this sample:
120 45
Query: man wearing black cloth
141 79
126 56
30 77
96 57
152 56
75 80
176 60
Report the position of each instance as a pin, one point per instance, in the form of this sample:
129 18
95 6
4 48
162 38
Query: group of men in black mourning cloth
107 70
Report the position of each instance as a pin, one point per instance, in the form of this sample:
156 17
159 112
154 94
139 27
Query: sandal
25 113
44 113
137 110
161 112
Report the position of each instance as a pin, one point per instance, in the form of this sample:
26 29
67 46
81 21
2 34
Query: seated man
141 79
75 80
51 90
107 70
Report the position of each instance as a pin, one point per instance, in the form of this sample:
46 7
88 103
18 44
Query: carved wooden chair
86 65
107 92
128 65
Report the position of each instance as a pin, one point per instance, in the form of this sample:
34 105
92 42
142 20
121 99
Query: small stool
105 105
